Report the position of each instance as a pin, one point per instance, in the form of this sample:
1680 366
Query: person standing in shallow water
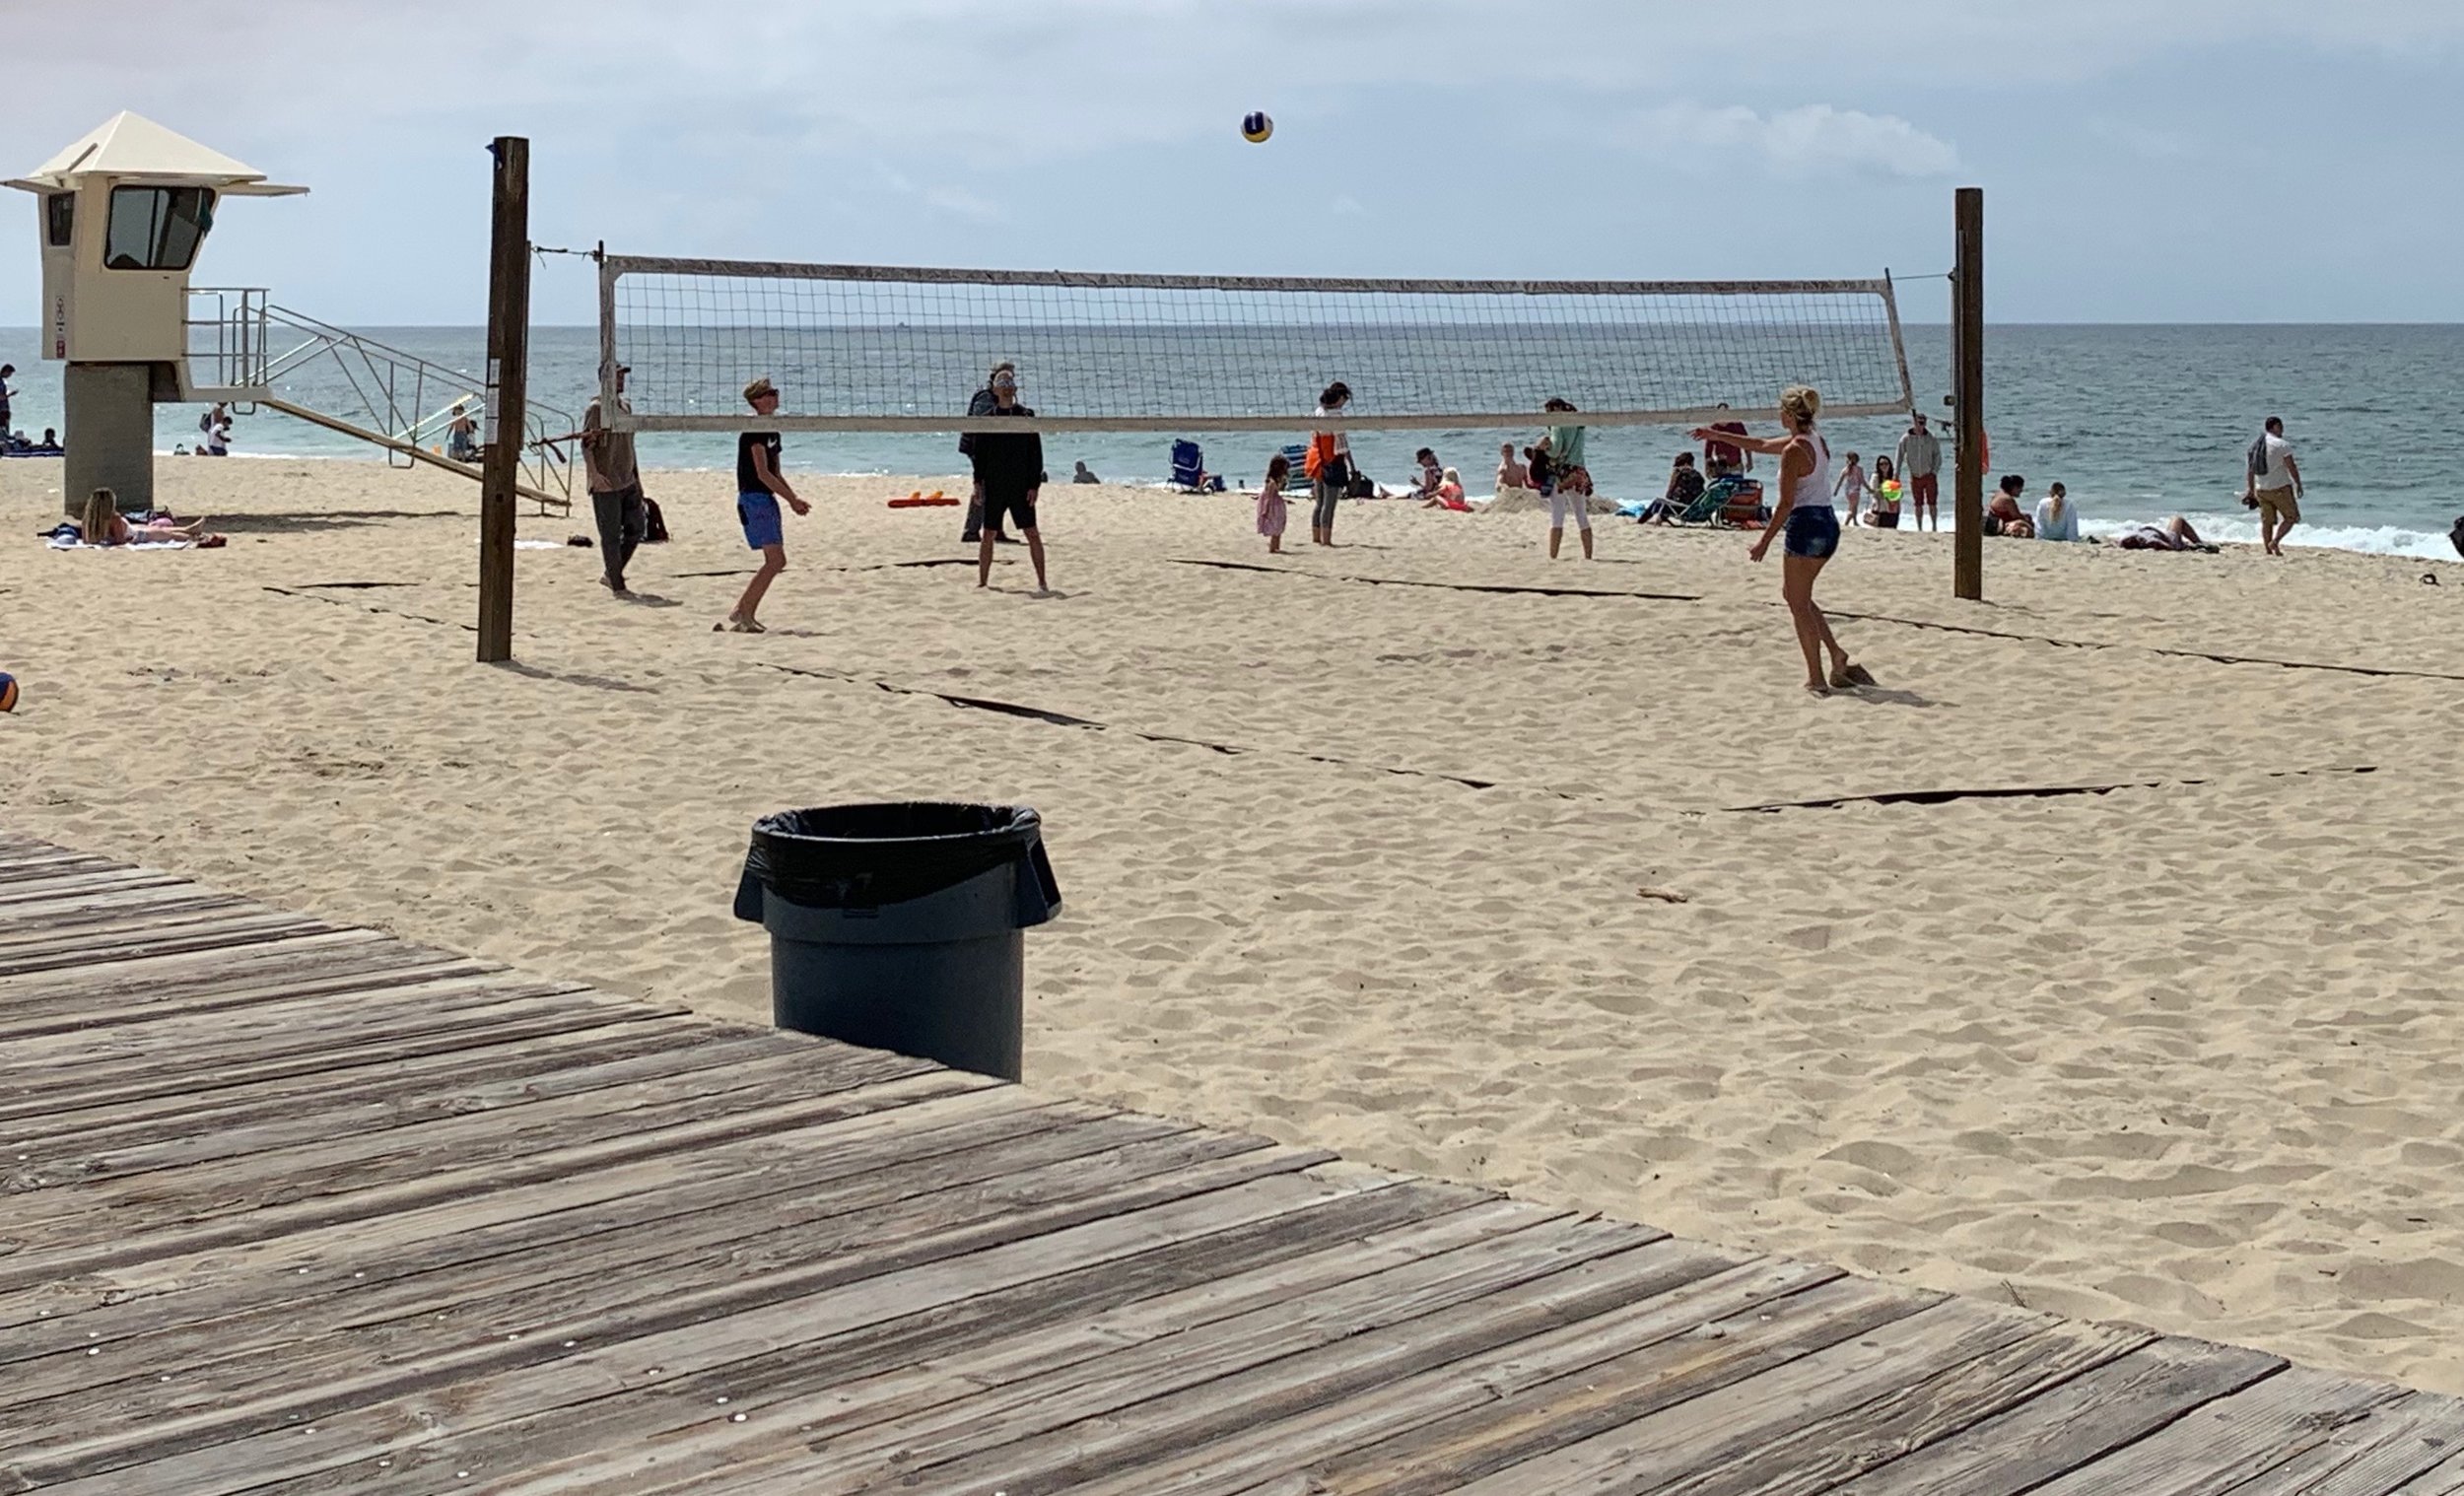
1811 528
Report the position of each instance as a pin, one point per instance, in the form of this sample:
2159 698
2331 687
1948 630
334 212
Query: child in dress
1852 487
1270 511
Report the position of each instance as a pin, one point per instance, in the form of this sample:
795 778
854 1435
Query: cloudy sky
2144 160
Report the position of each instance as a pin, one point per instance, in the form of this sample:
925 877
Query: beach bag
654 524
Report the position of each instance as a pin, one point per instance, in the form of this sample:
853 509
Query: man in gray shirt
615 487
1920 469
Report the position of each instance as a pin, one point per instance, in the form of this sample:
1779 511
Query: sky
2233 160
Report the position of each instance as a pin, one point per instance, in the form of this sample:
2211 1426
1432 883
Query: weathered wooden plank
560 1051
1306 1452
1821 1454
77 929
2394 1444
30 918
1457 1421
1660 1449
222 934
243 1448
2447 1479
105 1207
142 991
2230 1440
236 1094
526 1294
677 1427
481 1223
1064 1427
2074 1423
197 1044
116 880
879 1083
55 863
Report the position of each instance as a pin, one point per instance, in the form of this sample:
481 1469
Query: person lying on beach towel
2174 534
104 525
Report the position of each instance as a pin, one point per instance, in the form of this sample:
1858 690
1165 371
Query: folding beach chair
1189 466
1729 499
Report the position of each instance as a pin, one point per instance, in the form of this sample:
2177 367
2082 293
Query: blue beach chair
1189 470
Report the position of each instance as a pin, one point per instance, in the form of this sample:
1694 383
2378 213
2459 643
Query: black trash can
902 926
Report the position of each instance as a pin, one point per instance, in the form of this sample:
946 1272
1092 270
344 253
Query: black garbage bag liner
868 856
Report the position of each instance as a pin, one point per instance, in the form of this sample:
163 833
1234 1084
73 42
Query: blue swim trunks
759 515
1813 534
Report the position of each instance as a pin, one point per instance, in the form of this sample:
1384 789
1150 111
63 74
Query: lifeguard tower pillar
123 212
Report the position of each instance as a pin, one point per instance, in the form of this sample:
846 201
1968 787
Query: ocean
2139 421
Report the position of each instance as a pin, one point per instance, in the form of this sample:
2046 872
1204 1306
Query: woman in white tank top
1810 530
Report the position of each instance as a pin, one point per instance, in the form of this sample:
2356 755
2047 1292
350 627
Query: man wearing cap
615 487
759 487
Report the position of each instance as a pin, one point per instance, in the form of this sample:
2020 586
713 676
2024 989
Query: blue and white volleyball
1255 127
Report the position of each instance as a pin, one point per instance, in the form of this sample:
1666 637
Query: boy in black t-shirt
759 488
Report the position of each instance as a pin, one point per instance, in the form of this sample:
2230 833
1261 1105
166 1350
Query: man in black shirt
981 404
759 488
1009 465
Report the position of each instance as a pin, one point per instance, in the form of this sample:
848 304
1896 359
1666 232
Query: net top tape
617 265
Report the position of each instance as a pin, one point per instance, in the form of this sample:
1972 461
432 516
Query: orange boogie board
919 501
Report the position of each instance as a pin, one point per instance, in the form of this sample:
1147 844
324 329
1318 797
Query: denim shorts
1811 533
759 515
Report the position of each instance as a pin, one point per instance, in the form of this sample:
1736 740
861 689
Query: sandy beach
1355 847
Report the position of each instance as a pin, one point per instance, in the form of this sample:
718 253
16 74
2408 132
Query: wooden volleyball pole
509 363
1968 354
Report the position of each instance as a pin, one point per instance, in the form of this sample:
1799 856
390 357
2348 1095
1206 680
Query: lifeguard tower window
60 208
157 228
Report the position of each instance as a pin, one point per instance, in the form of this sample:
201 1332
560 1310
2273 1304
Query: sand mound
1523 501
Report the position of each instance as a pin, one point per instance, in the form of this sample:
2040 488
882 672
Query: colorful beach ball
8 692
1255 127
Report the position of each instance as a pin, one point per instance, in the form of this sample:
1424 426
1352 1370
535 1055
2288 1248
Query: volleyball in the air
8 692
1255 127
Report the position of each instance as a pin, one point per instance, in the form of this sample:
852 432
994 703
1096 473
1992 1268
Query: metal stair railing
245 350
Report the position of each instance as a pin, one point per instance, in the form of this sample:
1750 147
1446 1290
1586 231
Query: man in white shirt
2274 486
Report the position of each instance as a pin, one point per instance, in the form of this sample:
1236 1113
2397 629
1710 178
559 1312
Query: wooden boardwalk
287 1209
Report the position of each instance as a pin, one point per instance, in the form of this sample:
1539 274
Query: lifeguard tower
125 211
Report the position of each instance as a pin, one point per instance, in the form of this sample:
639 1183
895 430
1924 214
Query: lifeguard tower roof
133 147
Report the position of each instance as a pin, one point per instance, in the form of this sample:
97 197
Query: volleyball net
873 347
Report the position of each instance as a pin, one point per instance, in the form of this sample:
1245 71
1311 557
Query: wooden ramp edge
290 1208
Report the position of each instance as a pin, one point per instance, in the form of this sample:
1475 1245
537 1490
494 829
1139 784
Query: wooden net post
1968 354
508 362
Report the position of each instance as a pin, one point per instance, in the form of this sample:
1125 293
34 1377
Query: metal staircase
244 350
